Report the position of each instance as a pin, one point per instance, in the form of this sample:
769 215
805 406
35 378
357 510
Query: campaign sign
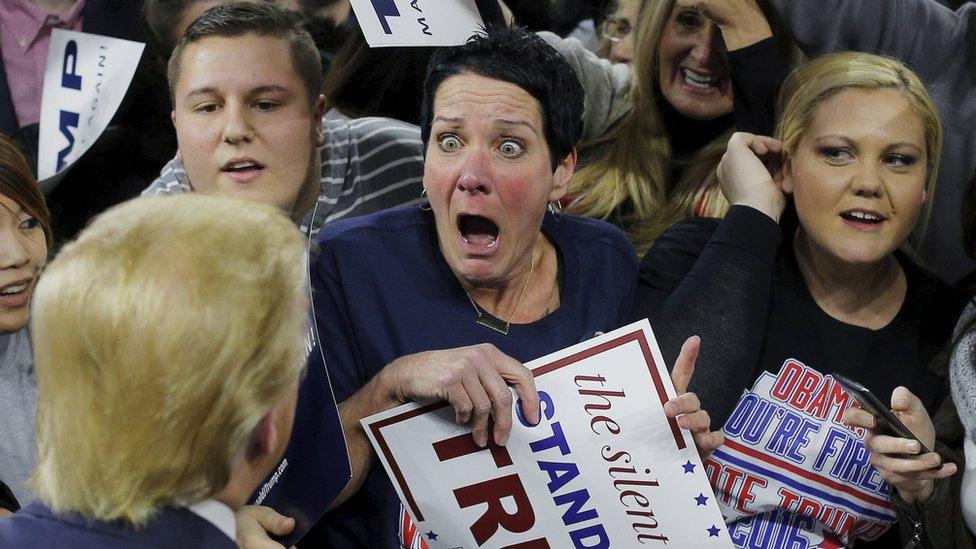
85 79
417 22
605 466
315 467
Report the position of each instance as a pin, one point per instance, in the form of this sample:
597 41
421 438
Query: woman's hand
475 380
255 522
897 459
746 170
741 22
686 406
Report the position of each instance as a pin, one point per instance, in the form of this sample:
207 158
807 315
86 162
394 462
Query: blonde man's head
162 337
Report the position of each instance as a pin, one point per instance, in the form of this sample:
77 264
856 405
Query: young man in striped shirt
249 122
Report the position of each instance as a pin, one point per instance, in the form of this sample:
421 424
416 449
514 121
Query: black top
736 283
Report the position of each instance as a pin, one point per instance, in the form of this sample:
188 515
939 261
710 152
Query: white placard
85 79
605 467
417 22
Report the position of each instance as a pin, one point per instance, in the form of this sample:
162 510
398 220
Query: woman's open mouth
700 82
863 220
478 233
15 295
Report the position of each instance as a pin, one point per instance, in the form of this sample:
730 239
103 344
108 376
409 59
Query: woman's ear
562 175
784 176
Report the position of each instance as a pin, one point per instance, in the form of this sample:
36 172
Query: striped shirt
368 164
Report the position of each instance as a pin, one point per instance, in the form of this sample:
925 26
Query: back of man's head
264 19
162 337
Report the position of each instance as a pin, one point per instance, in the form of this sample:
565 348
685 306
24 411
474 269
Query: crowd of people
785 188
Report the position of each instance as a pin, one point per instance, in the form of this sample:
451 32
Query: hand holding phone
887 422
900 457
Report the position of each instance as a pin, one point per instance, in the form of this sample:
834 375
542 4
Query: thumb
902 400
271 520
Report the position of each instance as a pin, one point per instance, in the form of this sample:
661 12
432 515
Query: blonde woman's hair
814 82
161 337
630 183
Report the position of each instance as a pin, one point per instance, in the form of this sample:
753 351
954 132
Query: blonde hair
814 82
161 337
630 184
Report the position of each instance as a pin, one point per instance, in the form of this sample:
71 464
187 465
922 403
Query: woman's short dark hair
262 18
18 184
519 57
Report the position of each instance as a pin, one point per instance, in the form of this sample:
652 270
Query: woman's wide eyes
511 148
449 142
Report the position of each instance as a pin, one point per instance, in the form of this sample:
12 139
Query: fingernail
668 409
912 446
501 440
481 440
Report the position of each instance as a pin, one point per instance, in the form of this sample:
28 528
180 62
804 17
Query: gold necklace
489 321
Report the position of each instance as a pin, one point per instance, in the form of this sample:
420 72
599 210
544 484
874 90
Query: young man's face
244 122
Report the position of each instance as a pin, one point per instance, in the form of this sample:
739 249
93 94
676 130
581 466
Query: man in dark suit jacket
168 351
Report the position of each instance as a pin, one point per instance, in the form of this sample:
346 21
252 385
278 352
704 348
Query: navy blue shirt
382 290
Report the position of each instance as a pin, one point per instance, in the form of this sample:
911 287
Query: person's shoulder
374 225
690 235
594 235
172 180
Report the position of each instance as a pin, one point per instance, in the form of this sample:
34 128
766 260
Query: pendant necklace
489 321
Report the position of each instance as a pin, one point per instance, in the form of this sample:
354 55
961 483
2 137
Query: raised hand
686 406
741 22
898 460
748 173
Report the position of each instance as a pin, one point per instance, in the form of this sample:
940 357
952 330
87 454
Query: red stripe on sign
377 429
830 483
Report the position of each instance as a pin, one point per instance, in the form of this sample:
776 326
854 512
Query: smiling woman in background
25 231
654 131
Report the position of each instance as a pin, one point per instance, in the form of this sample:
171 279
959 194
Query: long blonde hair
162 336
630 184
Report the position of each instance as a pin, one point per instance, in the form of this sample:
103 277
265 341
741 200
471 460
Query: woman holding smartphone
780 303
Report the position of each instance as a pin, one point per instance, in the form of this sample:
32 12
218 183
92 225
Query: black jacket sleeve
758 72
713 279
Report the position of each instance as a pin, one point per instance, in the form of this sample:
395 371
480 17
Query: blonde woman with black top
780 309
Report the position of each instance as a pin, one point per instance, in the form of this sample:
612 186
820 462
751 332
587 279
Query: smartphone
887 422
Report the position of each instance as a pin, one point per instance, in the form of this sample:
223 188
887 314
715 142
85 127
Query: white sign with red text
417 22
605 466
85 79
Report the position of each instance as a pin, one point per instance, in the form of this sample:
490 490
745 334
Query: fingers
477 386
857 417
514 373
917 467
684 366
254 522
685 403
885 444
707 442
481 405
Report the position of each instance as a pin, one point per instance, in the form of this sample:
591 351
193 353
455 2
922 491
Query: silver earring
555 209
424 203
